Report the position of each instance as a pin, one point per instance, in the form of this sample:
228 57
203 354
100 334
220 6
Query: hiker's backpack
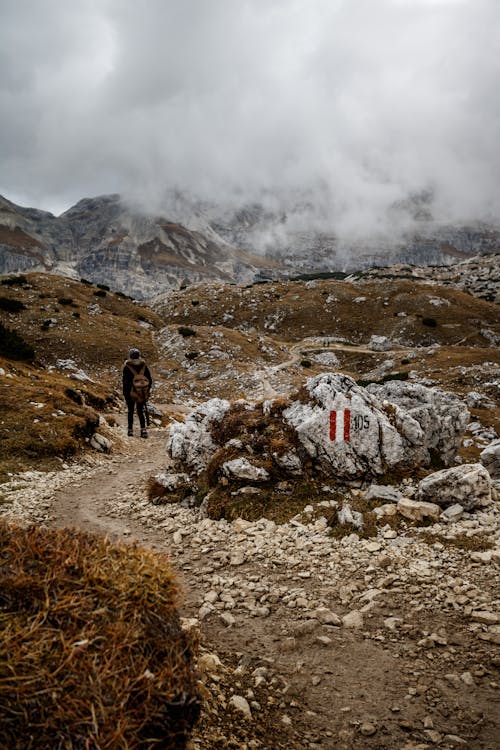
139 391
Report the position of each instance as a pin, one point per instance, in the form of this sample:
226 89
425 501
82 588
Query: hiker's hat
134 354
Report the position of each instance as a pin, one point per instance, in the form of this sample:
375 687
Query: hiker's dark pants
140 414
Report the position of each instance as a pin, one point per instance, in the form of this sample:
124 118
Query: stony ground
308 641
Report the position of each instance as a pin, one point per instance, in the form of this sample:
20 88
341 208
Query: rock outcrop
338 429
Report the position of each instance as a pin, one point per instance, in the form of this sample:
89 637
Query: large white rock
191 442
374 443
347 430
490 458
390 425
469 485
431 420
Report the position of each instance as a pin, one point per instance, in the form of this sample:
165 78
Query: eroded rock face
468 485
430 420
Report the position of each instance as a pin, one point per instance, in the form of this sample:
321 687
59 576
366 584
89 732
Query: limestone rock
383 492
190 442
241 704
469 485
173 482
490 458
379 344
430 419
242 468
100 443
418 511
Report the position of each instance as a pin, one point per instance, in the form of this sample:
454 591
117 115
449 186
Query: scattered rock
418 511
468 484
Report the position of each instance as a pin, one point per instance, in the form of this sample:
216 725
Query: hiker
137 382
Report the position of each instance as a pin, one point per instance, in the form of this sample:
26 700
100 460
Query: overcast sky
361 101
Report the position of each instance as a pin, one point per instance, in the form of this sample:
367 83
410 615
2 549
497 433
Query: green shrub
100 293
65 301
430 322
306 363
86 282
13 346
185 331
104 287
11 305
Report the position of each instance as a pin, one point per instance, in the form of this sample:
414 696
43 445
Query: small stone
485 617
241 704
455 740
367 729
353 619
373 547
228 619
324 640
453 679
467 678
327 617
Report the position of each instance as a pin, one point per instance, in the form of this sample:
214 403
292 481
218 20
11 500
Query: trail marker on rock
340 425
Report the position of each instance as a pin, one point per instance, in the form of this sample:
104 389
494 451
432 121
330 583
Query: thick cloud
362 102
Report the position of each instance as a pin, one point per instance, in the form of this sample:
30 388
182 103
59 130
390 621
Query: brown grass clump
158 494
92 651
473 543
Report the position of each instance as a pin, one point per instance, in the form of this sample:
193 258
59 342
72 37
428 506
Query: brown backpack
139 391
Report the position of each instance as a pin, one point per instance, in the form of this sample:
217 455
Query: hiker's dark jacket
127 377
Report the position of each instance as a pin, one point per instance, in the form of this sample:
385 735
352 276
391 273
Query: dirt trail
324 687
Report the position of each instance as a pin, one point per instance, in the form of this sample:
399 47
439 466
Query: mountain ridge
144 252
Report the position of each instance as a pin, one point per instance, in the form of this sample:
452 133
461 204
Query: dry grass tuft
91 645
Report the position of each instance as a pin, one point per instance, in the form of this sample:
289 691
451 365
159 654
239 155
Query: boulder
418 511
490 459
379 344
468 485
190 442
351 431
432 421
341 429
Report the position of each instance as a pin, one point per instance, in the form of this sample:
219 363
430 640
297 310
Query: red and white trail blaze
340 425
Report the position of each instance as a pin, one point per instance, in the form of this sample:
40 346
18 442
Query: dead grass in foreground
92 651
